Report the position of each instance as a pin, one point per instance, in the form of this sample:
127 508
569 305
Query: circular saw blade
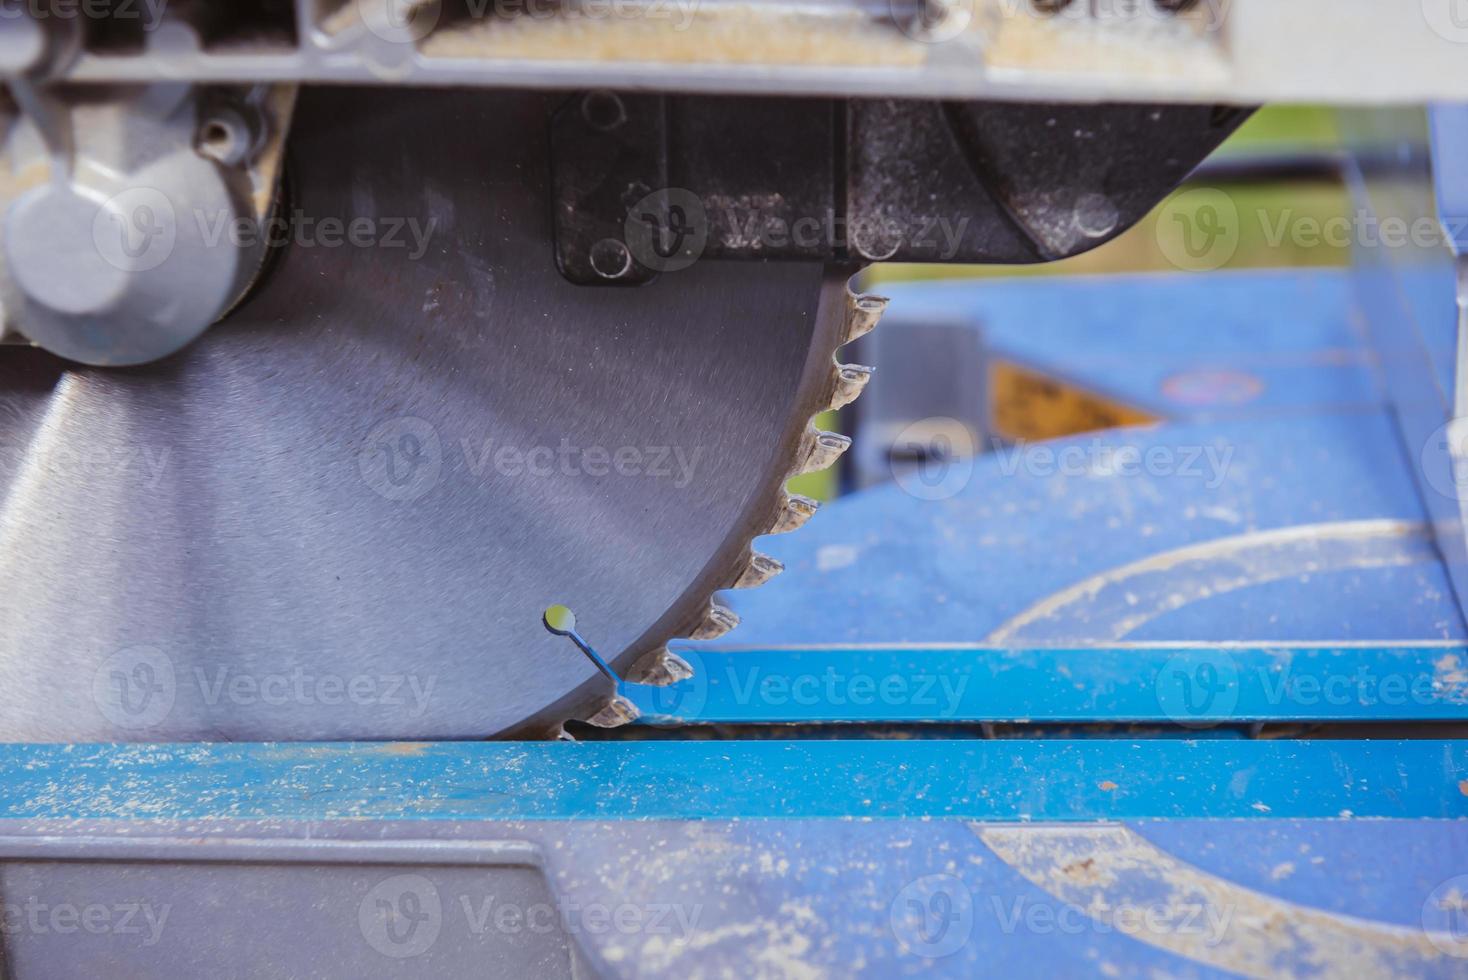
342 512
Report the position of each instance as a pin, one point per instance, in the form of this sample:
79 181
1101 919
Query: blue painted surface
1317 446
844 888
809 852
1406 298
1329 865
1063 780
853 881
1188 686
883 566
844 897
1449 123
1424 325
1127 335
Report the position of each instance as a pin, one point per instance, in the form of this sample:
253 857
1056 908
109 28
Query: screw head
610 259
226 136
603 110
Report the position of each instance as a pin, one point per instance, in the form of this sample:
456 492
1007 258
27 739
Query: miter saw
422 369
347 337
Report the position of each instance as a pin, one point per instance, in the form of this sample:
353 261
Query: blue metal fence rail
970 779
1192 686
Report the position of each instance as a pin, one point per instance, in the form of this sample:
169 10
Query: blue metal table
1048 723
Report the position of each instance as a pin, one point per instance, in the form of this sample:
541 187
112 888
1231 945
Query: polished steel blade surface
341 513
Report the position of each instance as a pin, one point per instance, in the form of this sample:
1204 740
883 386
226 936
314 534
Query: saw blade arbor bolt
122 252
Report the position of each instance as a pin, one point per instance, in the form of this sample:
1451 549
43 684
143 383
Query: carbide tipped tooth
660 668
757 571
617 712
862 314
850 380
821 449
795 510
719 620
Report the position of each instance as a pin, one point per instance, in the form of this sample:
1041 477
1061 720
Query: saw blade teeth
615 713
821 449
816 449
757 571
719 620
795 510
851 379
660 668
862 313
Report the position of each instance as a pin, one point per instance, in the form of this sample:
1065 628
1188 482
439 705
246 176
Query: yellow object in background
1028 405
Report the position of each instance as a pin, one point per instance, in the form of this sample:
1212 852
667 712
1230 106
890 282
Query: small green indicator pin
561 621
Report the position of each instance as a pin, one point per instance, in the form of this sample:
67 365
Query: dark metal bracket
645 184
